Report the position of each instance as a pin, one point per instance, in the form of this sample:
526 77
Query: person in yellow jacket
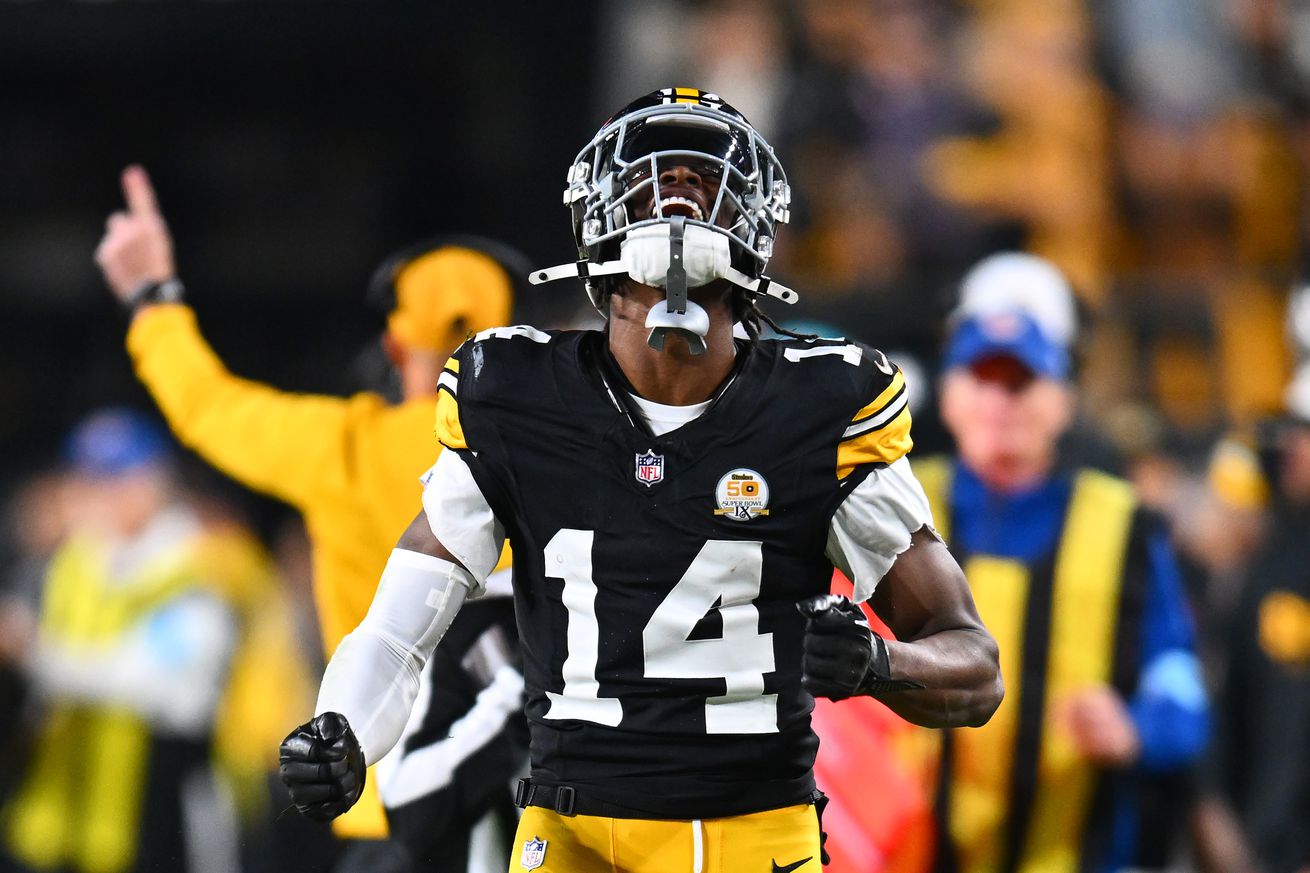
349 465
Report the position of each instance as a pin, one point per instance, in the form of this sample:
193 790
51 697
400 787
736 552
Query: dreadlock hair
746 309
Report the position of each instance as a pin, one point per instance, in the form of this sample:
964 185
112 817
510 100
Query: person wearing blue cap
142 612
1105 706
112 442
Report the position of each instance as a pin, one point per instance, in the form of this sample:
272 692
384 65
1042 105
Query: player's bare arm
418 537
942 669
941 642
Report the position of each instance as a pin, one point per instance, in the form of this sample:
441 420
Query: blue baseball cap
111 442
1007 334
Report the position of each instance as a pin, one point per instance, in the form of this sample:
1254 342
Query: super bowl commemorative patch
534 853
742 494
650 468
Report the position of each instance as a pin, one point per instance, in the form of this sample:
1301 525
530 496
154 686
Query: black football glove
842 656
322 767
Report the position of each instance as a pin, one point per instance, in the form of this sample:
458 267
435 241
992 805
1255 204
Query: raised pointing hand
136 248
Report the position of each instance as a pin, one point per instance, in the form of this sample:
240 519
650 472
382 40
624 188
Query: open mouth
683 206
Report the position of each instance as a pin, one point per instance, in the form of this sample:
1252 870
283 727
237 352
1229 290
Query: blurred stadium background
1153 148
295 145
1156 150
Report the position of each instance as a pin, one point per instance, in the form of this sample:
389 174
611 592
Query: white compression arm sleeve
373 676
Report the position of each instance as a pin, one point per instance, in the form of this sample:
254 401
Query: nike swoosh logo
790 867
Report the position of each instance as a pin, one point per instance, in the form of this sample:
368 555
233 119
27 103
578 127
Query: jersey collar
620 391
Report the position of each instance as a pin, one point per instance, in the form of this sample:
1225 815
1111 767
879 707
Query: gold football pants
775 841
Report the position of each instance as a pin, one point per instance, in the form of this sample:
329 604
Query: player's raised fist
136 249
838 648
323 767
842 656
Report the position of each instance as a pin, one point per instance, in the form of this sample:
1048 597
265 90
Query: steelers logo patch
742 494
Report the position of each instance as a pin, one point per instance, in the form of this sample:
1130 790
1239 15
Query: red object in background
879 816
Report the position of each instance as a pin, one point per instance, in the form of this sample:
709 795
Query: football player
673 493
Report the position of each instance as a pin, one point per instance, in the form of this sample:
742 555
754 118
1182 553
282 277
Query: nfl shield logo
650 468
534 853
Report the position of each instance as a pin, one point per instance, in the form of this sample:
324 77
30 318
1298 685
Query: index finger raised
138 192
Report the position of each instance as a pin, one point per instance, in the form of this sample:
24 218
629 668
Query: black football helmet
620 167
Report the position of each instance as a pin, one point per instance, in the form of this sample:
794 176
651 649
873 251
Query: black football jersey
656 578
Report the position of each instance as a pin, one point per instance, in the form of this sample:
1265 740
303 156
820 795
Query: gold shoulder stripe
450 433
449 378
881 419
884 397
879 445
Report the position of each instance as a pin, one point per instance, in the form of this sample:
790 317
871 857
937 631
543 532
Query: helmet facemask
623 225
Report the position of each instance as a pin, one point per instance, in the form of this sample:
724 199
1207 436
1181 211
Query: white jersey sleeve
460 517
874 523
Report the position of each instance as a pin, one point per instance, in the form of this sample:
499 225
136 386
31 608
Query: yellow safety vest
1015 795
81 803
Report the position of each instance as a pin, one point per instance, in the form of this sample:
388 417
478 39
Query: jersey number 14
726 572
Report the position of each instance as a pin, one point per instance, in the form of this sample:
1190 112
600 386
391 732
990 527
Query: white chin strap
675 256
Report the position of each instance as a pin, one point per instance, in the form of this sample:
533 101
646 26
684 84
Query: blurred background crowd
1156 151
